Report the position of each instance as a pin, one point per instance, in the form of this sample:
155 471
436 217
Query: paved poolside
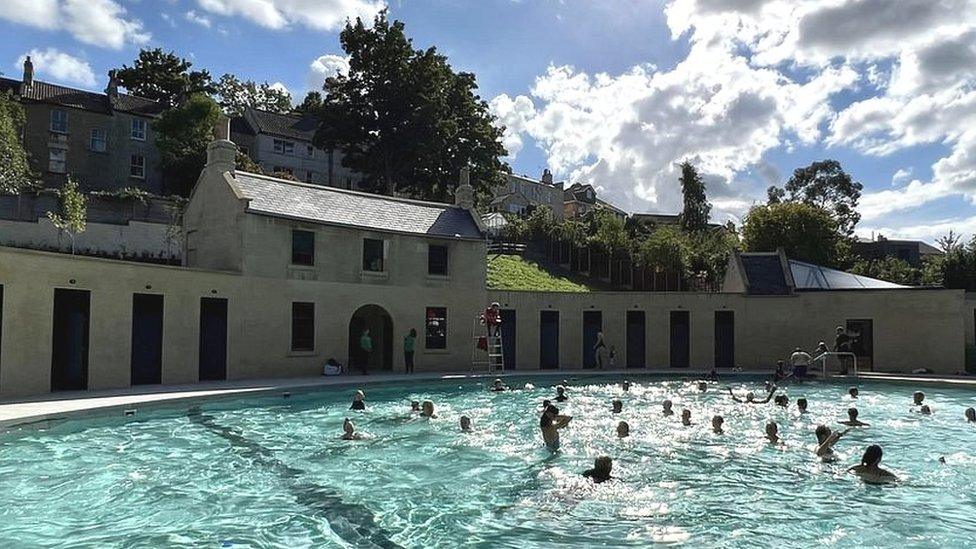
80 403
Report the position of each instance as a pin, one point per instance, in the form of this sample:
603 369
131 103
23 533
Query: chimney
546 177
222 152
464 194
112 89
28 73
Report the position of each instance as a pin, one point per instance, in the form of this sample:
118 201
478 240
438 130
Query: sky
616 93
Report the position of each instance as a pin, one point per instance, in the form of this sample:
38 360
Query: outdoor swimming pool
272 472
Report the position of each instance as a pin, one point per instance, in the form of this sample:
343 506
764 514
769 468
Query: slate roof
283 125
332 206
764 274
43 92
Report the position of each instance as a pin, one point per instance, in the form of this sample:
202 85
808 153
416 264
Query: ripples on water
272 472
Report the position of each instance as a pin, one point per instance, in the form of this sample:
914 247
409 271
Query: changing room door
862 342
724 339
509 329
69 345
549 340
680 339
213 338
147 339
636 339
592 325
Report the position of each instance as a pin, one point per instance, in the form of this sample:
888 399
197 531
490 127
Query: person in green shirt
366 344
409 343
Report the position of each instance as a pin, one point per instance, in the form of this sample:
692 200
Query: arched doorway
375 319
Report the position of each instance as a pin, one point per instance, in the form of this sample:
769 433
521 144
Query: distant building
105 140
282 143
580 199
521 194
657 220
911 251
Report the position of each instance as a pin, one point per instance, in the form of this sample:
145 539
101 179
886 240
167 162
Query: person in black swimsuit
358 401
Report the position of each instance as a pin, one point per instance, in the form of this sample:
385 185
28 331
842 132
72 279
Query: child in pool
869 470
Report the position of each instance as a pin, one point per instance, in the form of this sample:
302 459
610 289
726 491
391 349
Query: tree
235 95
664 250
164 77
958 266
694 216
890 269
311 104
15 172
182 136
608 233
73 211
405 120
804 231
826 185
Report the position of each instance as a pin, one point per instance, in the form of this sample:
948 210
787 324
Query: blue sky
615 93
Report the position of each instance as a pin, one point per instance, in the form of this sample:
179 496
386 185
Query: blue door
69 342
147 339
213 339
636 339
509 332
724 339
680 339
549 340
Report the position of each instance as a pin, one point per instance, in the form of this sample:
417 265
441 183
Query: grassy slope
512 272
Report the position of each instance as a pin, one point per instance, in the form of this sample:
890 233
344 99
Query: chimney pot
28 72
464 194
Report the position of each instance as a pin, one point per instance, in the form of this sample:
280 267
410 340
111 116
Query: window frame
285 145
297 256
302 326
436 341
382 259
431 260
140 165
63 153
143 129
103 140
63 118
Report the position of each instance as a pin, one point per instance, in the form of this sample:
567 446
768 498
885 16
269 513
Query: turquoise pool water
273 472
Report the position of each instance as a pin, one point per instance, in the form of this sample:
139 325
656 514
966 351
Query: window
373 255
138 129
436 260
284 147
57 160
137 167
302 247
59 121
98 140
436 328
302 326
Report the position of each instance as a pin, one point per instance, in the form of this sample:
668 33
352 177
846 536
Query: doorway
69 345
509 335
636 339
680 339
549 340
146 363
213 339
724 339
862 342
380 325
592 326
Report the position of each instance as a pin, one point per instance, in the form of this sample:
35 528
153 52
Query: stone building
105 140
521 194
580 199
283 143
913 252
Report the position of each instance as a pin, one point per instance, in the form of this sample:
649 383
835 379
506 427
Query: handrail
837 354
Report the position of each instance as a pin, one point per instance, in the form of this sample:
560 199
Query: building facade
104 140
521 194
580 199
913 252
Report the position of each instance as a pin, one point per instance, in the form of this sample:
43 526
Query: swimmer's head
750 396
618 406
546 403
497 382
428 408
771 428
465 423
823 432
348 427
702 386
623 429
852 414
971 415
872 455
560 389
717 422
839 330
918 397
603 464
801 404
495 305
415 405
667 405
625 385
853 392
686 416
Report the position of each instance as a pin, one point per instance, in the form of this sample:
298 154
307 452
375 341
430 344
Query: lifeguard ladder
487 350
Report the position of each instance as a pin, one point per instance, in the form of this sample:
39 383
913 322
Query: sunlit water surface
273 472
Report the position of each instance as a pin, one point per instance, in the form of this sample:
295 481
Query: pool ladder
494 351
823 361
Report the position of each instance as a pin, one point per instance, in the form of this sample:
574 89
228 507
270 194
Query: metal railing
823 359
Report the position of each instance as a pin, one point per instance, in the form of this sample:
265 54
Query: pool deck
14 412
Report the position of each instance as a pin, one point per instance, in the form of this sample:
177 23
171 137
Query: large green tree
694 215
826 185
958 265
235 95
15 172
804 232
311 104
182 136
405 119
164 77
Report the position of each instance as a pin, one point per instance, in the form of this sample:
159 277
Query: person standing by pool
602 467
550 423
492 319
598 349
869 469
842 344
358 401
409 344
799 363
366 346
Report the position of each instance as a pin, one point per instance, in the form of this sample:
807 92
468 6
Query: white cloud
514 114
929 231
901 176
59 66
279 14
323 67
197 18
98 22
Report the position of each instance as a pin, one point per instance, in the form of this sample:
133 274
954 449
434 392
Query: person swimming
853 392
751 397
414 406
465 422
852 420
549 423
623 429
625 385
497 386
917 398
602 467
349 431
686 417
667 408
561 394
782 401
869 470
618 406
702 386
826 439
772 432
801 405
971 415
358 401
717 422
427 409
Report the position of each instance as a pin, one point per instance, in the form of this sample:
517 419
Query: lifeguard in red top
492 319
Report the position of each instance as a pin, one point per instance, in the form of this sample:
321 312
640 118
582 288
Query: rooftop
291 126
44 92
765 273
341 207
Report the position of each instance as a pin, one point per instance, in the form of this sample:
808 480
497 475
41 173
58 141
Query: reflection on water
274 472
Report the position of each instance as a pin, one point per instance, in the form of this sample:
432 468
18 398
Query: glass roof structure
808 276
